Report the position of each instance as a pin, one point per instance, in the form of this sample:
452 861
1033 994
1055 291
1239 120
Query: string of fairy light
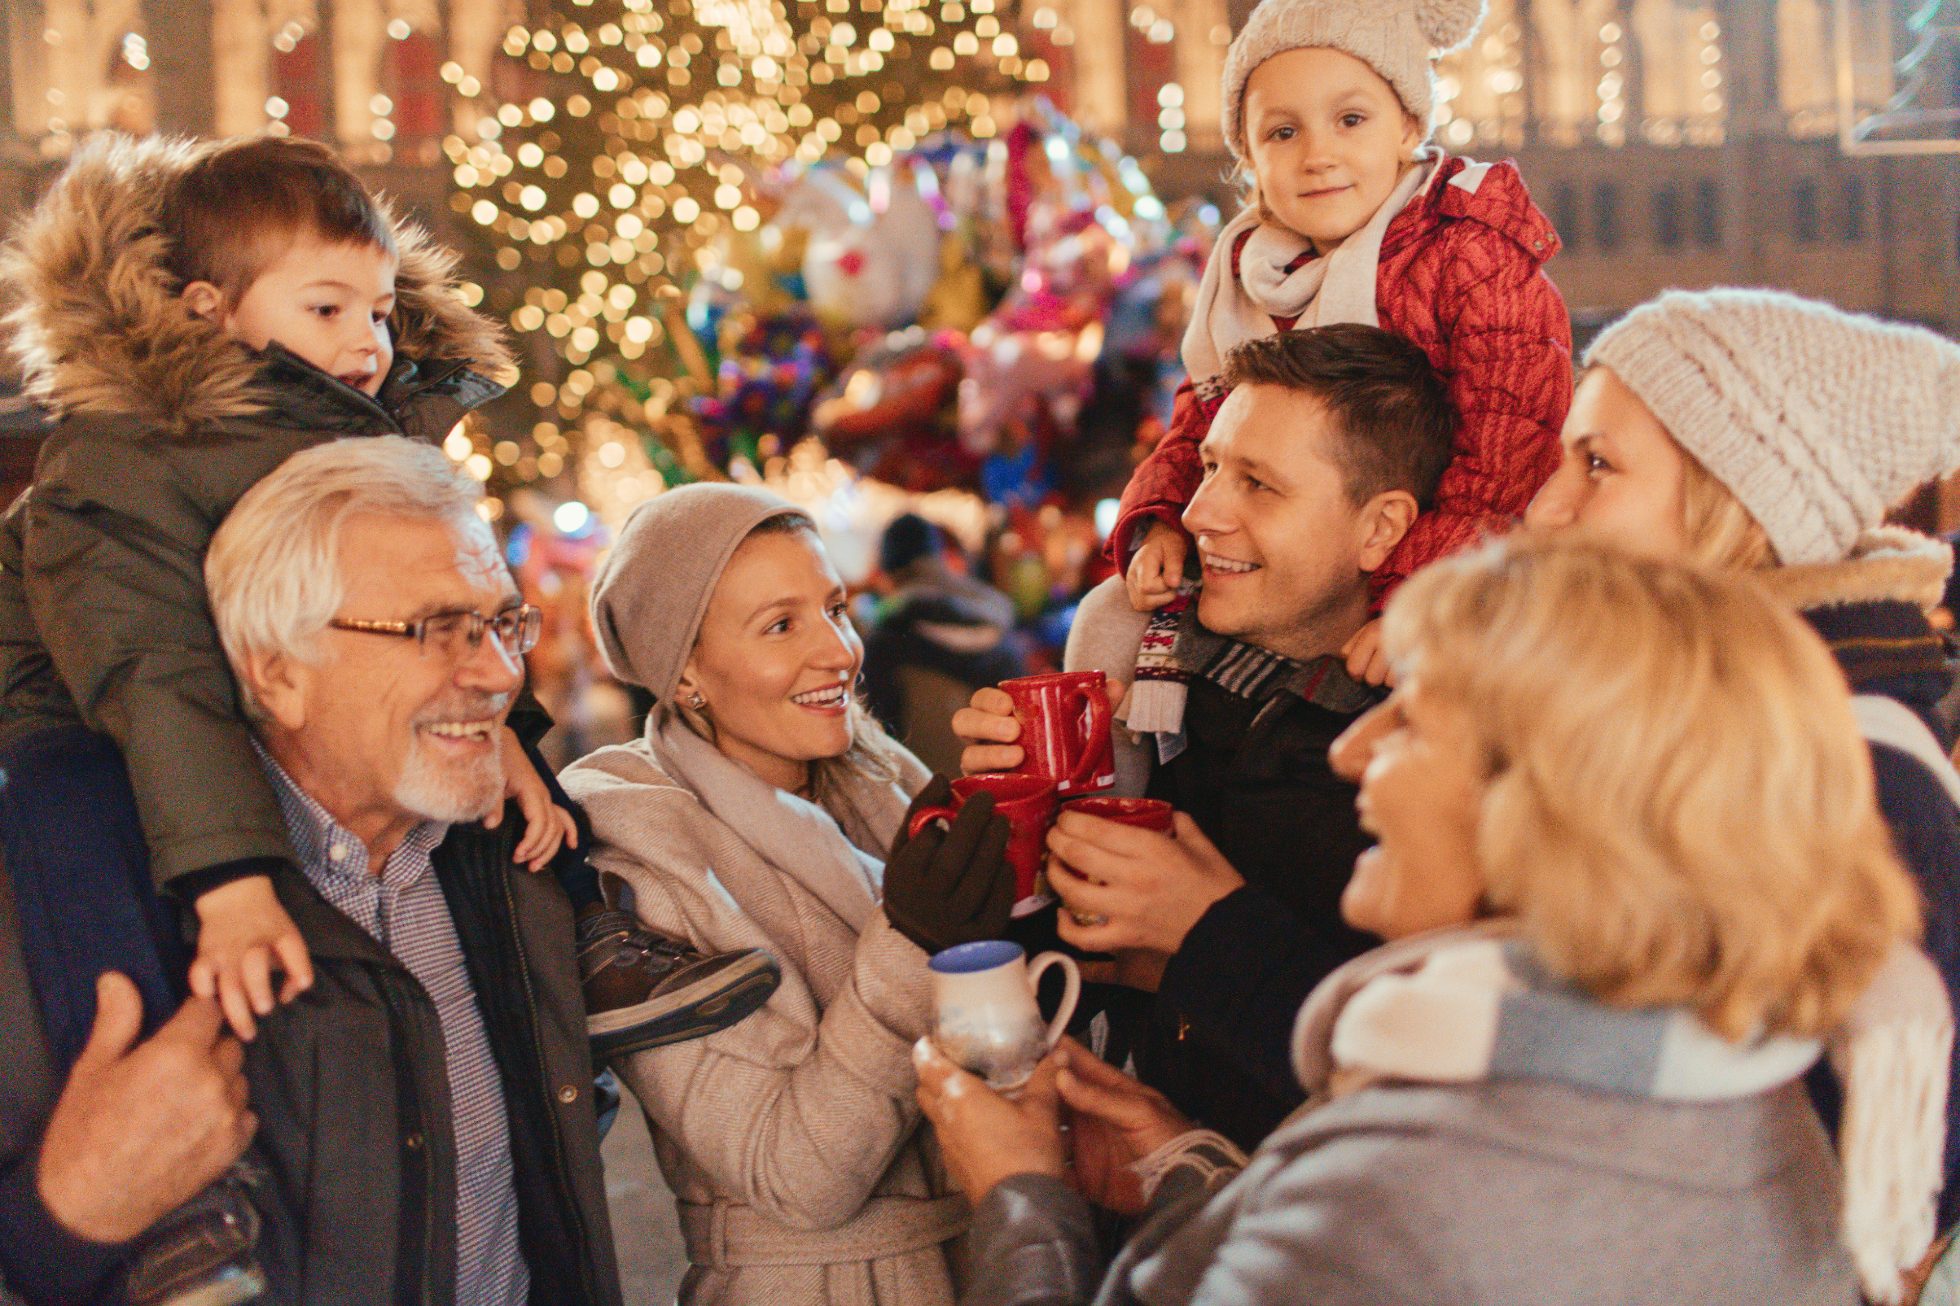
632 148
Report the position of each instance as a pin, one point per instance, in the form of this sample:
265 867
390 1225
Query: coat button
1538 244
413 1142
568 1094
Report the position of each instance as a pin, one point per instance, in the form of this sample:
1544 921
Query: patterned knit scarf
1176 648
1462 1006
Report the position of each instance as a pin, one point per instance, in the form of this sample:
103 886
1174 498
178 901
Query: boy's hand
243 935
546 825
1158 568
1365 657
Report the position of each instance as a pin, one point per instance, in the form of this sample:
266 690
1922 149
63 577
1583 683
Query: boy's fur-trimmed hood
97 326
1887 564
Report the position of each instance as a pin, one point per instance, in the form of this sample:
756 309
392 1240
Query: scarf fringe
1890 1142
1156 702
1157 707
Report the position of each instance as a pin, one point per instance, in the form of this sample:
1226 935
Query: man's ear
205 300
1384 520
278 684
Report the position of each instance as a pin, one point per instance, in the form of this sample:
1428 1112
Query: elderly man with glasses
425 1109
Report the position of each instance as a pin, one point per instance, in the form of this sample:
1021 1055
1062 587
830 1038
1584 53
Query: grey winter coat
1491 1194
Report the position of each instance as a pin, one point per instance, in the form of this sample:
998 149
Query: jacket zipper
544 1083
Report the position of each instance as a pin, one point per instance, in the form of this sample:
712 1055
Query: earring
695 701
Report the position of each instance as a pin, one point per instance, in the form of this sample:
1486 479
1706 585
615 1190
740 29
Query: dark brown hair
242 205
1391 410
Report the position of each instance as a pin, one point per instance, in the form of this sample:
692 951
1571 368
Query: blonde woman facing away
761 805
1757 431
1634 884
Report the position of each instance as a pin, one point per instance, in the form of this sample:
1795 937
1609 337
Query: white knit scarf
805 842
1320 292
1460 1006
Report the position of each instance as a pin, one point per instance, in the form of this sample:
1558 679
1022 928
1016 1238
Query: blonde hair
1680 810
1720 531
273 568
871 756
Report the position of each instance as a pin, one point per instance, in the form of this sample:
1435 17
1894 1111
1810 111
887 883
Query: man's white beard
454 794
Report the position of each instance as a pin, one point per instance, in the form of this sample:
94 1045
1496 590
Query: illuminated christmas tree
617 153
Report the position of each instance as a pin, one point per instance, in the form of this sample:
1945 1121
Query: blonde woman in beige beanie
1759 431
763 808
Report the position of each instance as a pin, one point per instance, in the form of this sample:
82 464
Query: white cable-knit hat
1397 38
1817 420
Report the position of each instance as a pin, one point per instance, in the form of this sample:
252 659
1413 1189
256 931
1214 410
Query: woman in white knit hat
1354 216
1756 430
763 805
1573 1075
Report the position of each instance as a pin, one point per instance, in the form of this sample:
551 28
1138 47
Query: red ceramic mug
1145 813
1027 803
1065 720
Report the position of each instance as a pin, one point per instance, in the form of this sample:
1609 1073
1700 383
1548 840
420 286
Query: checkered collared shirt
403 909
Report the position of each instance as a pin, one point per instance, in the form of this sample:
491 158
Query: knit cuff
192 885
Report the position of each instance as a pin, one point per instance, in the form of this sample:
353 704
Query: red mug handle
926 816
1095 699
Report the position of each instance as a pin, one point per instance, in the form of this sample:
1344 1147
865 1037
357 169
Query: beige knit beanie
652 590
1817 420
1397 38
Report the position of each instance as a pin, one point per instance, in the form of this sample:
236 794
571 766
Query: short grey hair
273 569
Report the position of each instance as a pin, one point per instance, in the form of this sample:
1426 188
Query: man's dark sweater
1254 775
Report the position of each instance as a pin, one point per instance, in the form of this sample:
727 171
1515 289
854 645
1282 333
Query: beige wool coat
793 1139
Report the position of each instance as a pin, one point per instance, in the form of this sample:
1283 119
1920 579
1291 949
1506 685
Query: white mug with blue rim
988 1021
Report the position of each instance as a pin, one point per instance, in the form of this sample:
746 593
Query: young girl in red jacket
1355 217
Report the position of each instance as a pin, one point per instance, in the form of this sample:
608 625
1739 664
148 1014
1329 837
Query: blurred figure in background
940 635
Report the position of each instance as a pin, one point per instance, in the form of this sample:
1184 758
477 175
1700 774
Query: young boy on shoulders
193 314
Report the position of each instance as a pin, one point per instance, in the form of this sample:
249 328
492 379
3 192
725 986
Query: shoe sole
635 1031
231 1288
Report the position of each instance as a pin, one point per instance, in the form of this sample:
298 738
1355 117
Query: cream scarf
1322 291
823 852
1461 1006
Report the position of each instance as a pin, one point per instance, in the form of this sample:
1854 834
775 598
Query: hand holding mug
1114 1121
987 1020
949 883
1150 888
985 1137
992 730
991 733
1026 803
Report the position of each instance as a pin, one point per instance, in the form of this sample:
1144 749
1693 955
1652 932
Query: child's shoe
644 991
204 1253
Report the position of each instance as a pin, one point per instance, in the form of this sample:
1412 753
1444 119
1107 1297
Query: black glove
950 886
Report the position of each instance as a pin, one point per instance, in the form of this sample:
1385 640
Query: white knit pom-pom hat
1397 38
1816 419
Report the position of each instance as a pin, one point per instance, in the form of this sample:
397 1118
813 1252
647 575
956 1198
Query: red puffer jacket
1461 276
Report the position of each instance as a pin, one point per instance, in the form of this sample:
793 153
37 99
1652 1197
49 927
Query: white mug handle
1071 990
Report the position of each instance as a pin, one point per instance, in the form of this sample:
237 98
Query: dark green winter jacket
161 422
